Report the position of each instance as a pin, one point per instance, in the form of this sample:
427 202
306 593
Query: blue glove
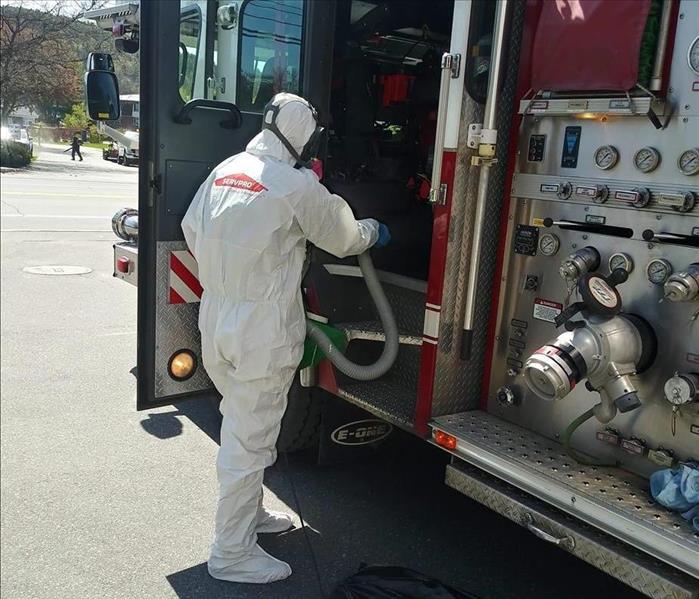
678 490
384 236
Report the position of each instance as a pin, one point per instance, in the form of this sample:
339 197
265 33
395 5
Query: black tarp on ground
394 582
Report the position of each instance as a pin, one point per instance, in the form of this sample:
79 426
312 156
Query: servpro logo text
361 432
240 181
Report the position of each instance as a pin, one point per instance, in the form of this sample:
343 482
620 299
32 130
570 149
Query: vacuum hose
125 225
390 349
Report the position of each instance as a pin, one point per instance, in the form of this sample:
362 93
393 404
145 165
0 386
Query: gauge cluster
646 159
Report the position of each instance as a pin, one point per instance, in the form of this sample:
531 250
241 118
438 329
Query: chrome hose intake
125 224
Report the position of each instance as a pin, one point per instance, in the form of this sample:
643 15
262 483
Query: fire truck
537 163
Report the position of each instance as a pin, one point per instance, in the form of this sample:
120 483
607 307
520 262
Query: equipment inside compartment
383 111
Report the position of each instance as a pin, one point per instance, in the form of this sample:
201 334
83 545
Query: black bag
394 582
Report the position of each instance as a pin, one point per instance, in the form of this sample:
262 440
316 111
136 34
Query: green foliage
14 154
77 118
43 47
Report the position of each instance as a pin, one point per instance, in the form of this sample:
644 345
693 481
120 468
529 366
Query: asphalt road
101 501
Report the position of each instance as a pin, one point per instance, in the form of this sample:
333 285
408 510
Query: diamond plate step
632 567
372 330
611 499
388 398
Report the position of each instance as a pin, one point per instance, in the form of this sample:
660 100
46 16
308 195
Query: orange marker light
444 440
182 365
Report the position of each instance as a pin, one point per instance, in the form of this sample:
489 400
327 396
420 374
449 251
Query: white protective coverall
247 226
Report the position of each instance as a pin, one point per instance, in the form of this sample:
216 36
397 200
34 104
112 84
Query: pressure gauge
620 260
646 159
688 162
682 388
658 271
606 157
549 244
693 55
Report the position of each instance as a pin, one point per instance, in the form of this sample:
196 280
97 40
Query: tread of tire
301 421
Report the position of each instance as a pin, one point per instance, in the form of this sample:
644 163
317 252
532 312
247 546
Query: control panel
599 306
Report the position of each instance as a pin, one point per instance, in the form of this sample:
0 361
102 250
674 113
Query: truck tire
301 421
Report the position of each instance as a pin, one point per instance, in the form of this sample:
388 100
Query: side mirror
99 61
102 94
184 56
129 46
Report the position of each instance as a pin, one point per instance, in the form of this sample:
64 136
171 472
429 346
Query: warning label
546 310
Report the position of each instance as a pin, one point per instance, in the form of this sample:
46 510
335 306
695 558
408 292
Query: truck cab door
207 70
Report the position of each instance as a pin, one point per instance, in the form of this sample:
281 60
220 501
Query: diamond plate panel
393 396
408 308
176 328
614 499
629 565
457 384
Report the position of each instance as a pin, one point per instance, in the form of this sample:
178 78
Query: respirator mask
310 150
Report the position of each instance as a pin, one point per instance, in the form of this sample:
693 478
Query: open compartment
383 112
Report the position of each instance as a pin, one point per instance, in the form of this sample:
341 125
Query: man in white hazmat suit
247 227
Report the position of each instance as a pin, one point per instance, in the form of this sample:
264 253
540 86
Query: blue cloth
384 236
678 490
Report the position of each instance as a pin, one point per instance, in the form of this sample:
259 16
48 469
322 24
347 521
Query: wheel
120 160
301 421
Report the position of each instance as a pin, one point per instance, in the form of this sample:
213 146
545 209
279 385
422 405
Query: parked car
127 156
18 134
110 151
128 152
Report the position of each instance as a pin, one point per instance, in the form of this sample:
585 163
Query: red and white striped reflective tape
184 281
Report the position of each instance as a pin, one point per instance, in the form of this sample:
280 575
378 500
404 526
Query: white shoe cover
259 567
269 521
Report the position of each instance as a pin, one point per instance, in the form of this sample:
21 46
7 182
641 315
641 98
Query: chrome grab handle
486 151
438 191
565 541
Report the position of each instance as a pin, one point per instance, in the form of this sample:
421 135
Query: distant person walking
75 148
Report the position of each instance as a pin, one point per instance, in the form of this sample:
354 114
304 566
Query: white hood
295 121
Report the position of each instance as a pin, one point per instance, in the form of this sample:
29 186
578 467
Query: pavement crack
17 210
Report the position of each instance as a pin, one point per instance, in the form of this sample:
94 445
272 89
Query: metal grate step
611 499
372 330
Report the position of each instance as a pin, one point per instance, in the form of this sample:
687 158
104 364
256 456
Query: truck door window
270 51
189 47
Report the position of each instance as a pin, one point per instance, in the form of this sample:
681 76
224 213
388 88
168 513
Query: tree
38 62
77 118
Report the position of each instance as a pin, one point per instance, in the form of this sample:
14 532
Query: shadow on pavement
162 426
394 509
202 412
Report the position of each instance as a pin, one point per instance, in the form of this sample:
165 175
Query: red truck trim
435 285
